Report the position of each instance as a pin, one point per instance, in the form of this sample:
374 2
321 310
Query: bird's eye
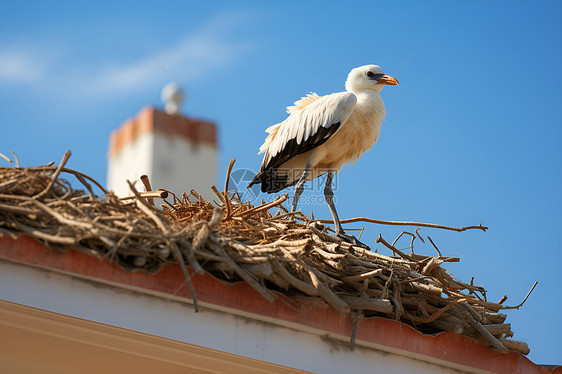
370 74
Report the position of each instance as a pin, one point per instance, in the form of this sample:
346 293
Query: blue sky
472 133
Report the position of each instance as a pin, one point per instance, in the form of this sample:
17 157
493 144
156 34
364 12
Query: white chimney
177 153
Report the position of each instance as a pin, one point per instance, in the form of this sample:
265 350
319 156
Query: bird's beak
388 80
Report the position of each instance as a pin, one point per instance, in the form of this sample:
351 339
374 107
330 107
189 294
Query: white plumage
322 134
306 120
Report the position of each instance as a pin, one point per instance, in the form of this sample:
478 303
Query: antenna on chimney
173 98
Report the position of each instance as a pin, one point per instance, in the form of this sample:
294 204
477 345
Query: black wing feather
270 182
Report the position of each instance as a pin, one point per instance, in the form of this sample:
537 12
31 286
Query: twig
392 248
361 277
242 273
515 345
82 180
160 193
437 314
402 233
7 233
146 208
361 233
5 158
279 200
499 328
434 246
179 259
225 192
398 307
147 187
368 303
305 287
16 159
73 172
43 235
486 334
356 319
432 264
418 234
197 196
55 175
404 223
525 299
18 209
218 194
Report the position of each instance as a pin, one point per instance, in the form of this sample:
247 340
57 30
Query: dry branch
405 223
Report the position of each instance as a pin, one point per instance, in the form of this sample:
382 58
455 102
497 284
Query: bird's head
368 77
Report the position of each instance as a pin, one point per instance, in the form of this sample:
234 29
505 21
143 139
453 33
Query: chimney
177 153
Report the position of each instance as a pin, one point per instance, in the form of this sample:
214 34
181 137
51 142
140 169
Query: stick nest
265 246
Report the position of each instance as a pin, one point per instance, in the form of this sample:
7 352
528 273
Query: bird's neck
370 102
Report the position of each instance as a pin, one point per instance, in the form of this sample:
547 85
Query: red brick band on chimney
153 120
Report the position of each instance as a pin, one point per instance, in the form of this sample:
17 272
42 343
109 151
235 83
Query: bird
322 134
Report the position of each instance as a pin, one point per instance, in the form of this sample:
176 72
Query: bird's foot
352 240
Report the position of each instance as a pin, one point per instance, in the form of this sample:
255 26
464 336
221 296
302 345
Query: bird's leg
299 188
329 195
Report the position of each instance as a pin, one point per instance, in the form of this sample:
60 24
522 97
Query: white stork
323 133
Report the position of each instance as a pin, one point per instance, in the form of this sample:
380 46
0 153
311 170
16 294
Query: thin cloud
19 64
192 57
189 58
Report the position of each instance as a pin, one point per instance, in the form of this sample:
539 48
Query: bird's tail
256 180
271 181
